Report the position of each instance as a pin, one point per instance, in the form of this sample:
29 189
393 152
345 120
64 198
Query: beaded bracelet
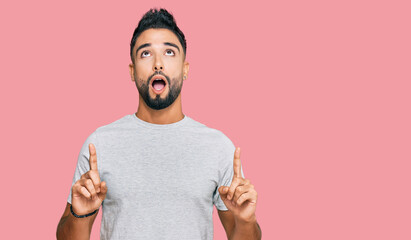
81 216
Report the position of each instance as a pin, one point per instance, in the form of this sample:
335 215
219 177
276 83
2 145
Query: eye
170 51
143 54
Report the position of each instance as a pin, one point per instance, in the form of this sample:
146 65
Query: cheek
173 62
141 72
143 65
174 69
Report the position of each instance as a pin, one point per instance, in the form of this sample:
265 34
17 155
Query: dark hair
155 18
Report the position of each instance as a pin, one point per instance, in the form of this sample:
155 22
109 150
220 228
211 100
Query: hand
88 193
240 198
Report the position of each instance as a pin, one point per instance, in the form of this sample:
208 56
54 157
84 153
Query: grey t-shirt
162 179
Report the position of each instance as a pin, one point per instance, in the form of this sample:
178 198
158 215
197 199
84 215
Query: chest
158 174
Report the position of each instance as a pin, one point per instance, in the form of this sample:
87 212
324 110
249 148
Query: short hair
155 18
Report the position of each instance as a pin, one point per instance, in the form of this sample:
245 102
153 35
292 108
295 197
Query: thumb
223 190
103 192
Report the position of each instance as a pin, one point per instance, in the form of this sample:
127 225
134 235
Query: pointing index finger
93 157
237 163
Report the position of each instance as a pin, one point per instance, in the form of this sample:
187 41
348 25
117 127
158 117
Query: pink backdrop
316 94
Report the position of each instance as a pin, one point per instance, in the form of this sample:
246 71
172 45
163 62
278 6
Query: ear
131 68
185 68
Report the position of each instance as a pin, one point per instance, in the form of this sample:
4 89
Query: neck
168 115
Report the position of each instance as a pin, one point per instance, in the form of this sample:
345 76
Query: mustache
159 73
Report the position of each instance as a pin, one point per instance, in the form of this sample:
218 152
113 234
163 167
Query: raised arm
87 195
240 198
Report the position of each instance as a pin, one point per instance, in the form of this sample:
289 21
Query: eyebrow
149 44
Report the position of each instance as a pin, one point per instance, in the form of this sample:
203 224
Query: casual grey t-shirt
162 179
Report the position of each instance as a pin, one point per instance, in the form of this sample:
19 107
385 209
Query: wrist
81 216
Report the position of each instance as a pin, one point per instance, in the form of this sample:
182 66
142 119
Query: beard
158 103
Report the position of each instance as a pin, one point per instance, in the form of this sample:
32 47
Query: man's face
159 67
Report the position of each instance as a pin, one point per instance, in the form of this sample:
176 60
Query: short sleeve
226 173
83 164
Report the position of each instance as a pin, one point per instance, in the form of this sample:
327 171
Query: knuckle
234 195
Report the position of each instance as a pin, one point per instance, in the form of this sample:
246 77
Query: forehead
157 36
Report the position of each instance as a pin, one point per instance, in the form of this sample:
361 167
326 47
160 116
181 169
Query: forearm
246 231
71 227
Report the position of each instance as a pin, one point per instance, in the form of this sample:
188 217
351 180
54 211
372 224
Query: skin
240 197
158 58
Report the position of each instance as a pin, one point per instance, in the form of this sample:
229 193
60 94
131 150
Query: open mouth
158 84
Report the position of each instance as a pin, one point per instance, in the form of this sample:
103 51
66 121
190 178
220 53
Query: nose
158 65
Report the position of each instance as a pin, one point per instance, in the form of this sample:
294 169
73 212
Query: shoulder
123 123
214 134
215 137
109 130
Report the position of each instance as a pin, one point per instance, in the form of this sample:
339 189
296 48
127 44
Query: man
157 173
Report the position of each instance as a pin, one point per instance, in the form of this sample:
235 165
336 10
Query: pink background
316 93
